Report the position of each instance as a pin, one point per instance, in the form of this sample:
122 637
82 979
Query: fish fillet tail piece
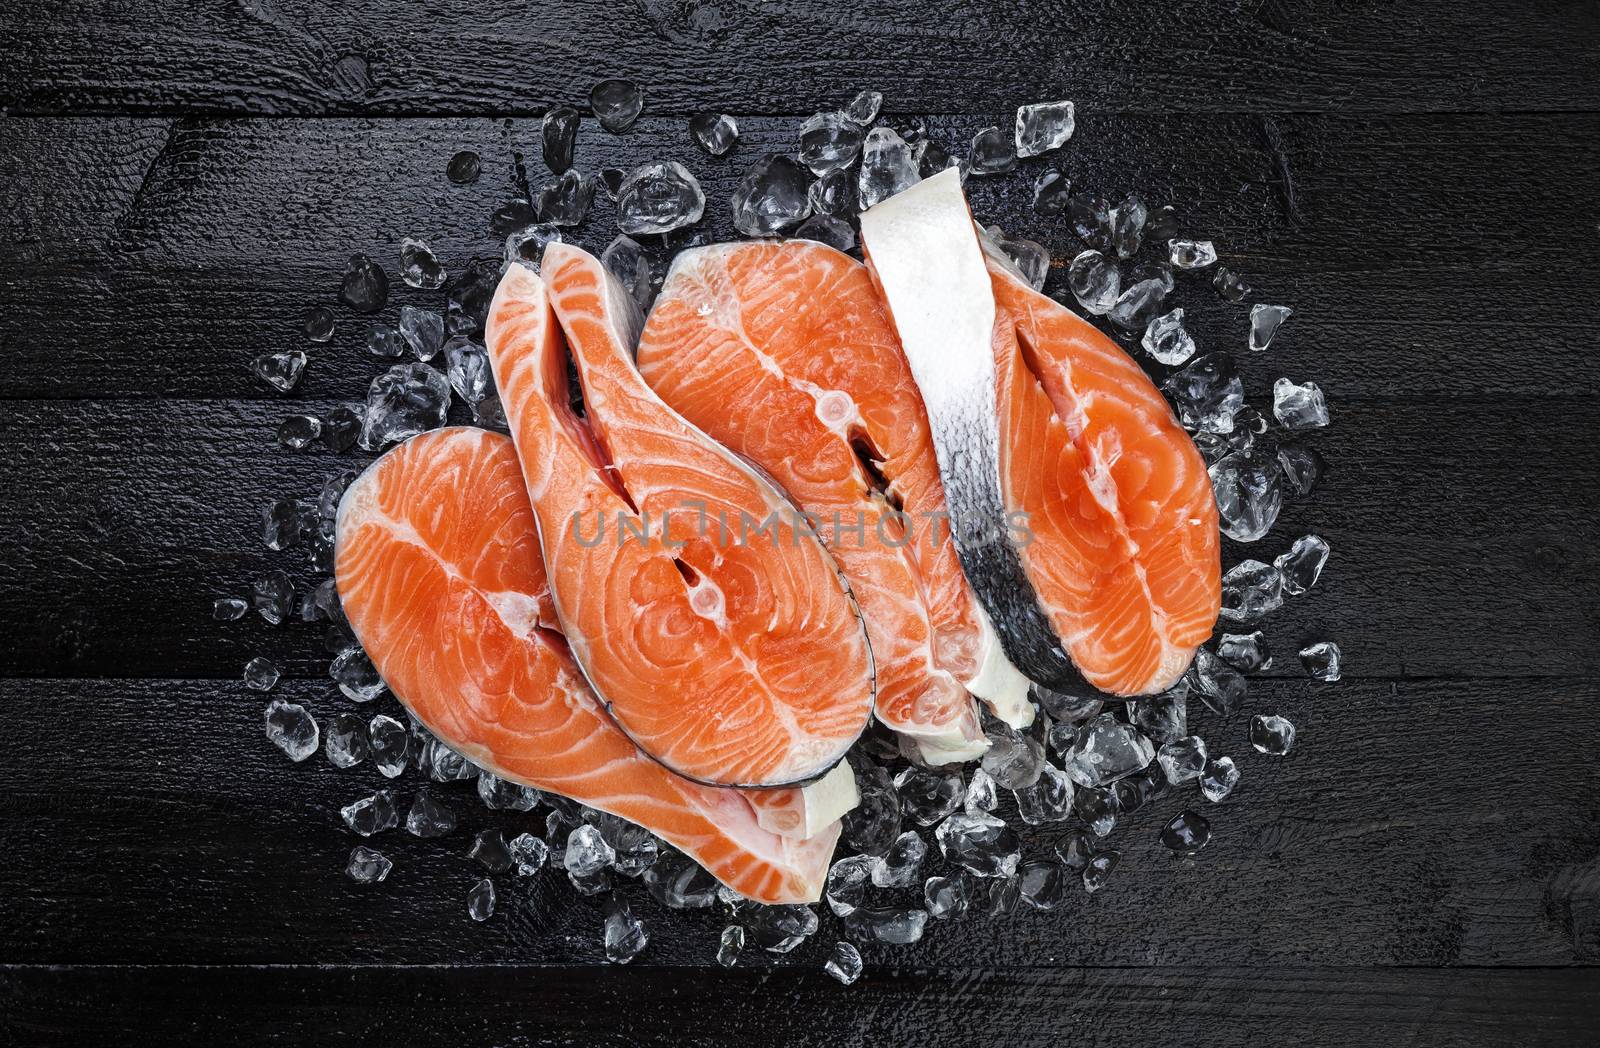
718 632
439 573
1043 421
782 352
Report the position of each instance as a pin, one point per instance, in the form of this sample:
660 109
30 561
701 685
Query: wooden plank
306 57
127 518
152 822
186 248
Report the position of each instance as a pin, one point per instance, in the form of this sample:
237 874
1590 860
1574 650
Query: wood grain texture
794 56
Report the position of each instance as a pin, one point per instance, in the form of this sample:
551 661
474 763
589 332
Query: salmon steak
1085 517
711 622
782 352
440 576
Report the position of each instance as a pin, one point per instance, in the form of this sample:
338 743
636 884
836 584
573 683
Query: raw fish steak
716 629
1093 525
439 574
782 352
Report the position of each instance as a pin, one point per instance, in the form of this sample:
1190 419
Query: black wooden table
184 178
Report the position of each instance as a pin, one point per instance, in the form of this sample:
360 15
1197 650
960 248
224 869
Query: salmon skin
1093 535
716 629
439 573
782 352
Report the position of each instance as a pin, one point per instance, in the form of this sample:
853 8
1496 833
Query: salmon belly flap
716 629
439 574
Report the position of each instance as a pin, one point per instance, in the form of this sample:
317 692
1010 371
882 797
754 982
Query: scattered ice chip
280 525
371 815
899 868
716 133
260 674
565 199
981 794
1099 869
1219 778
467 365
636 847
427 817
1250 590
846 887
1183 761
1031 258
778 929
1321 660
927 796
318 325
365 287
1106 750
405 400
1303 466
1229 285
1090 217
844 963
528 243
1095 282
980 843
1246 652
1271 735
680 884
1166 339
873 824
480 900
945 897
1161 224
1043 883
1187 833
281 371
298 431
356 676
933 158
887 924
730 946
609 179
997 897
274 596
388 740
528 853
1049 799
292 729
1302 565
829 142
464 168
558 134
1221 687
1191 254
616 104
991 153
384 342
827 229
658 198
1014 758
228 609
833 194
1265 321
587 852
367 866
626 261
1162 718
346 743
771 197
887 167
1044 126
1249 493
422 330
499 794
1299 407
863 108
1127 226
1138 304
419 266
1050 192
511 216
342 428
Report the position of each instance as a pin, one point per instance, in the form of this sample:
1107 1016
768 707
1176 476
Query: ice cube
280 524
499 794
292 729
1075 850
1050 192
260 674
464 168
274 596
1090 217
558 135
1264 323
342 428
318 324
829 142
1166 339
281 371
419 266
422 330
927 796
1246 652
730 946
833 194
846 887
616 104
932 158
512 215
1303 466
1219 778
587 853
228 609
1043 126
716 133
1127 226
826 229
528 243
1249 493
945 897
771 197
1014 758
1250 590
1161 224
1043 883
490 849
1229 285
873 824
980 843
863 109
778 929
636 848
1162 718
384 342
659 197
480 900
355 675
371 815
981 794
1049 799
1137 305
528 853
1191 254
1271 735
1106 750
1299 407
1031 258
405 400
1097 806
1302 565
997 897
389 742
565 199
346 742
297 431
367 866
898 869
844 963
679 884
887 167
991 153
365 287
1221 687
1095 282
890 925
1187 833
609 179
467 364
626 261
427 817
1321 660
1099 869
1183 761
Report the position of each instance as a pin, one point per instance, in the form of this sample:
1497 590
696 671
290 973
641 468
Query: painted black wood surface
184 179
